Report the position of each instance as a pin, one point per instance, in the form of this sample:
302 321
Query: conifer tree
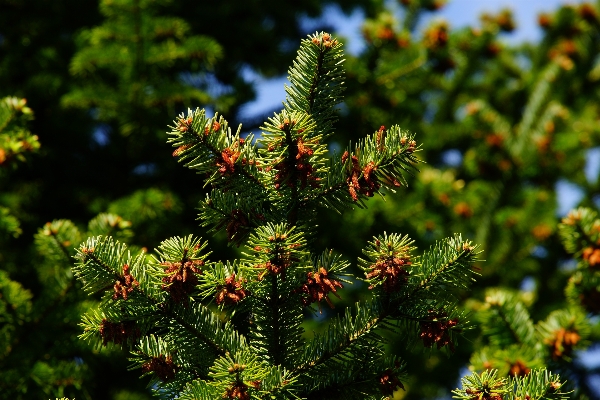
77 176
500 122
234 329
395 81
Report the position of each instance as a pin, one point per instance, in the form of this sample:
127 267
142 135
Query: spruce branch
378 378
9 224
509 360
316 81
448 263
487 385
294 156
225 283
378 161
538 384
199 389
580 234
16 306
56 239
563 332
100 260
105 323
520 349
208 146
578 230
273 248
206 326
400 298
110 225
244 372
154 358
105 264
237 215
326 277
344 336
533 109
505 320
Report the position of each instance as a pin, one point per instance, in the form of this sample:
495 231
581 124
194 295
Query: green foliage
514 346
127 62
15 138
16 306
15 141
521 117
539 384
502 126
33 361
265 195
9 224
509 128
85 167
580 234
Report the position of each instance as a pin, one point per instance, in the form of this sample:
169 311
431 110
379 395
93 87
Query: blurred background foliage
500 127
